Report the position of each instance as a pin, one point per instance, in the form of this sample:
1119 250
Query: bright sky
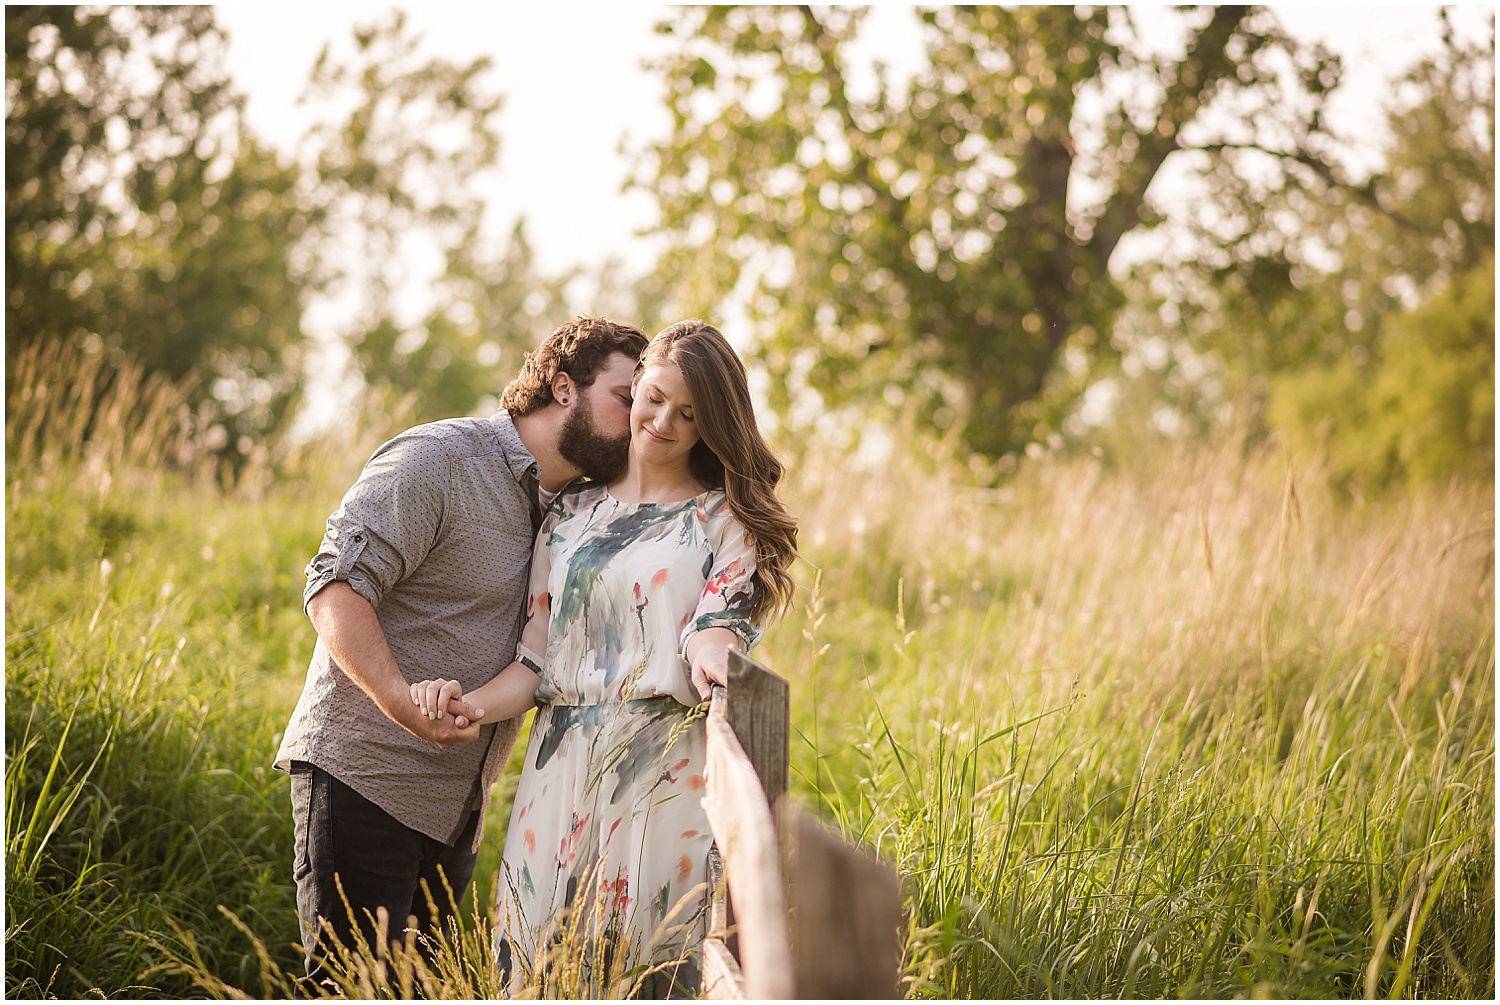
575 89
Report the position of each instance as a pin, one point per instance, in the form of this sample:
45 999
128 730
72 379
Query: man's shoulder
458 437
461 439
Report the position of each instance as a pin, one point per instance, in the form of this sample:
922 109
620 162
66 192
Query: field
1201 724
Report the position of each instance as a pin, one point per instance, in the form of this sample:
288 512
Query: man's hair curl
581 349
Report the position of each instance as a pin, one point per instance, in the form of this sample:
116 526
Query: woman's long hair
731 454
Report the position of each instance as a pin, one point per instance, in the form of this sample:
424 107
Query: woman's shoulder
713 505
721 525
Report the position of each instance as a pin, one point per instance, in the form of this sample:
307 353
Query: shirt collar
522 465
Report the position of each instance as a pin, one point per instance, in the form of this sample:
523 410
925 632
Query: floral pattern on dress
608 832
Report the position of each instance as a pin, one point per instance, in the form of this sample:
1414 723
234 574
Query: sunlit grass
1202 727
1255 751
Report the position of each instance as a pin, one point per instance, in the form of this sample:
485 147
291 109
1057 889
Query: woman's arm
509 693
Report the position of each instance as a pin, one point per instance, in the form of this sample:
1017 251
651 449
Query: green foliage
400 156
147 227
950 241
1424 412
148 642
1286 293
142 222
1188 728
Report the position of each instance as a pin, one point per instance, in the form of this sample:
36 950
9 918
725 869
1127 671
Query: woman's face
662 427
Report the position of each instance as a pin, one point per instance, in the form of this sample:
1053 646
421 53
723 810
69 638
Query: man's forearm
347 624
350 630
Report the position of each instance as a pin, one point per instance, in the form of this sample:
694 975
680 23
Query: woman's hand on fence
708 653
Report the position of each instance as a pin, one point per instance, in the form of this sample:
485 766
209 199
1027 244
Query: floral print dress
608 840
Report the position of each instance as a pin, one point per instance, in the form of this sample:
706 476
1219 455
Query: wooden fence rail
798 913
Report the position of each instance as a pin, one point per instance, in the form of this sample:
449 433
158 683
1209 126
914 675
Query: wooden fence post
815 918
759 712
845 911
745 831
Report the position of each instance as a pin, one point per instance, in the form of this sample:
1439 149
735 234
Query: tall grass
1258 744
1203 726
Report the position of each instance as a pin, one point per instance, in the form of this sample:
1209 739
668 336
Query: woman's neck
643 482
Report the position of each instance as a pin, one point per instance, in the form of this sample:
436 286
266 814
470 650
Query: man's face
595 437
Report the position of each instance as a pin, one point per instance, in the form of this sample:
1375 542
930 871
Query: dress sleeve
532 649
388 522
730 588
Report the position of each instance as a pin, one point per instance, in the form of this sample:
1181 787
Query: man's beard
597 457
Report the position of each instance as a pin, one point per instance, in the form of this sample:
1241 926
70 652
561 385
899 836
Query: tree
1353 306
397 163
145 222
141 219
1423 411
953 240
1302 262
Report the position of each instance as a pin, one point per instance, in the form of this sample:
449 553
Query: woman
638 589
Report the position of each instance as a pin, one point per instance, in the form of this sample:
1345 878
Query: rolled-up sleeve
388 521
730 589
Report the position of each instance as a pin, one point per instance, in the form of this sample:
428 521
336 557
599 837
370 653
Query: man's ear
563 388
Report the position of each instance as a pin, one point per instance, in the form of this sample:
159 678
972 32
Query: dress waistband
628 704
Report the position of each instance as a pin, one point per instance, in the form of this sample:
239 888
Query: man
423 572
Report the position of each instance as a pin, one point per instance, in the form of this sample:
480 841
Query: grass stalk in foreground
1202 727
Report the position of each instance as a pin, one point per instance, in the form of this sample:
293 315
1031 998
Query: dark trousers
379 862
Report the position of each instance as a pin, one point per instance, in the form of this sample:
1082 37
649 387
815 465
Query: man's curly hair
581 349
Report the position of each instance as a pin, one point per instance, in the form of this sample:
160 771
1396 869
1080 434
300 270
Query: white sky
574 85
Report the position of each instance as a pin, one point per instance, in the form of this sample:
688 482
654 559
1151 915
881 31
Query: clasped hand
441 703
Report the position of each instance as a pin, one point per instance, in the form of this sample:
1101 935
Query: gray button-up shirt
437 535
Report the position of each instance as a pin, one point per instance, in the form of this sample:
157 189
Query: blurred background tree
141 219
399 160
1072 226
951 240
145 223
1353 317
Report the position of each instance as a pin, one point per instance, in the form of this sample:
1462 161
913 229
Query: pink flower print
567 849
670 775
721 581
616 891
660 579
684 869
